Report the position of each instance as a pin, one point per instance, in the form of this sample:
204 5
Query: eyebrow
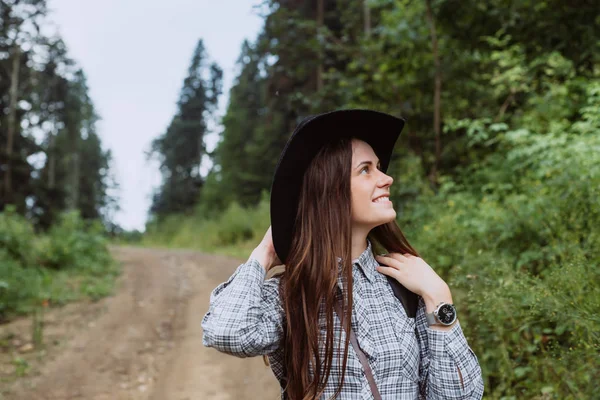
367 162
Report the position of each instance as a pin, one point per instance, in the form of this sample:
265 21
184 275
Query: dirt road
145 342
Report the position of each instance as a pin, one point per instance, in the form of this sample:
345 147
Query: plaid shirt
409 360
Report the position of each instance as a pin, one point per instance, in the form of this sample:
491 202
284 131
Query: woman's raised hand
412 272
265 252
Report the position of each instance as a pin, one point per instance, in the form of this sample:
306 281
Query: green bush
515 235
71 261
19 286
74 243
517 239
234 231
16 236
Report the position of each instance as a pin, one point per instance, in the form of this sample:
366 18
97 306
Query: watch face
446 314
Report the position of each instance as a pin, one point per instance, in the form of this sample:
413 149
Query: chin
382 221
391 218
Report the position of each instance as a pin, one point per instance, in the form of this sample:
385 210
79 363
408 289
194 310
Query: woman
330 204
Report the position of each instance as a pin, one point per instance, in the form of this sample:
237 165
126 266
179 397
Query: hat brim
378 129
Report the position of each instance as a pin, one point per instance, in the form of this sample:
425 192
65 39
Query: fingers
389 271
389 261
401 257
392 259
398 256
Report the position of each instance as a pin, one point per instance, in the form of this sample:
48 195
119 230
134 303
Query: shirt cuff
249 271
442 342
254 267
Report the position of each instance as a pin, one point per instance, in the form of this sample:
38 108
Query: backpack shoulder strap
409 300
361 356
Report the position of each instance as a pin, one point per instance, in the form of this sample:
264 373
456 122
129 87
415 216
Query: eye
367 167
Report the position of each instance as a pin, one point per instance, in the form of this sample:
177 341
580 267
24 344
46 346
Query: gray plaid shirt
409 360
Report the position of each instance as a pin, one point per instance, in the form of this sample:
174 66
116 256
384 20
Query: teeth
380 199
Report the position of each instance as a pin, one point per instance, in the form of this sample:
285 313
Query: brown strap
361 356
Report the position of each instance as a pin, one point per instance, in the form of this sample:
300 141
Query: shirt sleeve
449 368
245 315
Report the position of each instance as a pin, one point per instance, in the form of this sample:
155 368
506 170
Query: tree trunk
367 18
433 176
52 158
73 165
12 121
73 131
320 20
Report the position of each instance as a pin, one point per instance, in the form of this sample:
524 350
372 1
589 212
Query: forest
497 171
56 204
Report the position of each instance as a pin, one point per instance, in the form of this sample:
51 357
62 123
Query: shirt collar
367 262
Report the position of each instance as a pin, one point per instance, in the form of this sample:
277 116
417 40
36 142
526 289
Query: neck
359 243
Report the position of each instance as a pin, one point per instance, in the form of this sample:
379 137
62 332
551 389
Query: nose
385 180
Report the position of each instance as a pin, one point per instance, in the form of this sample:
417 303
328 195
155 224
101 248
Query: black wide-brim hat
378 129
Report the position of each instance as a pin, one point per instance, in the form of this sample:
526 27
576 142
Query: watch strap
431 319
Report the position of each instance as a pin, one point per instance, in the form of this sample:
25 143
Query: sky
135 54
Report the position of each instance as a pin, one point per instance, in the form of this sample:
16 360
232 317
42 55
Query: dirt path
145 342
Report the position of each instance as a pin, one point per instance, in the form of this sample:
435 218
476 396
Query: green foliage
74 243
510 223
517 240
22 367
20 65
72 261
235 231
16 233
250 142
120 236
19 286
527 296
181 148
56 161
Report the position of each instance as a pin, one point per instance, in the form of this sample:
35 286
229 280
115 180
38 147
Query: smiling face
367 184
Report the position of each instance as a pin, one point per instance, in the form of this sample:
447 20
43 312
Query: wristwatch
444 314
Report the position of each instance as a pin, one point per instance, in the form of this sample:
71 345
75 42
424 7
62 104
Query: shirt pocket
408 347
354 369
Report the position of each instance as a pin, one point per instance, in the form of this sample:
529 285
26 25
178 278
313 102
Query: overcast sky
135 54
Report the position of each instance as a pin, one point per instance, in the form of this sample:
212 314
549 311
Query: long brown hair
323 232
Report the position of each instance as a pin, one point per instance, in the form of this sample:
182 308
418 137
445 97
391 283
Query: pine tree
181 148
15 74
